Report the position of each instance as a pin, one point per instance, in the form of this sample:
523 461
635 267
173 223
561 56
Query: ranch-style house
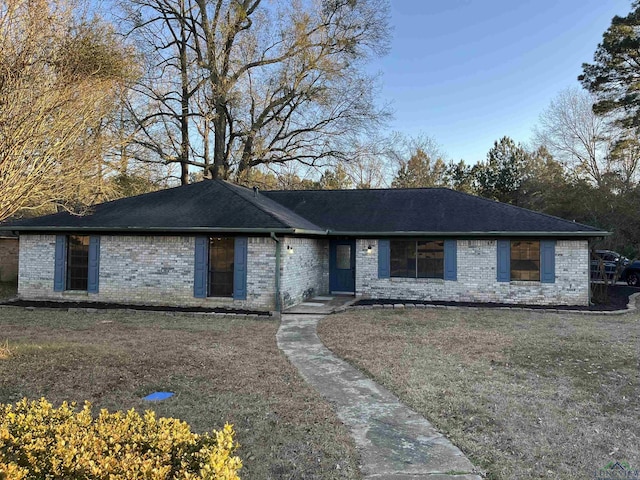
215 244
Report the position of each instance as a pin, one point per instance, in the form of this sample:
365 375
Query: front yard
524 395
222 369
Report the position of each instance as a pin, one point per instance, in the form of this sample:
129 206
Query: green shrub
39 441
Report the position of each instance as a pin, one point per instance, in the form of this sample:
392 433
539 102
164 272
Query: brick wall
35 266
159 270
477 263
8 259
146 270
305 272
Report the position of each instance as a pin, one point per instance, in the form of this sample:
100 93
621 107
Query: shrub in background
40 441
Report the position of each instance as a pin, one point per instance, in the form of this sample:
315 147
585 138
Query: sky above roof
468 72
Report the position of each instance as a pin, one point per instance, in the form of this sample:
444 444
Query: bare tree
273 82
60 76
370 166
573 134
162 105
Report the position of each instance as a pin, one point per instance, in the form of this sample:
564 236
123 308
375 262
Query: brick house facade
160 270
272 252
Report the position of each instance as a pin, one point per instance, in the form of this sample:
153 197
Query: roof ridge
232 186
354 189
229 186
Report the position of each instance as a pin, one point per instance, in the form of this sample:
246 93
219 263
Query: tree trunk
247 153
207 148
184 100
220 169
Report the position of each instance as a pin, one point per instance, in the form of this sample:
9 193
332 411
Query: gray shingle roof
216 205
209 205
434 210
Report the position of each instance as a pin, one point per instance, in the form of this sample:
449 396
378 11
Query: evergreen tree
614 75
336 179
420 171
504 172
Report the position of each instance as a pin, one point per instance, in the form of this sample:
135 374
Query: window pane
431 259
221 258
77 262
403 258
343 257
525 260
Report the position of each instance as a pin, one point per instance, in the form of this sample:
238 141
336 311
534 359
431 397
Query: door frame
333 243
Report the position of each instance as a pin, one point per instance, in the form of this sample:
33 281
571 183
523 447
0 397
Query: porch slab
322 306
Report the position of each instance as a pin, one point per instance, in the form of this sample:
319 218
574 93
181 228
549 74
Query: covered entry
342 266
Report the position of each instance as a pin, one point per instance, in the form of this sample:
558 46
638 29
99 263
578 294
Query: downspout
589 240
275 239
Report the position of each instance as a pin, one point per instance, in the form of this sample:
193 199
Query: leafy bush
40 441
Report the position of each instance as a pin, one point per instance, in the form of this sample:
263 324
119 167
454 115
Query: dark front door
342 266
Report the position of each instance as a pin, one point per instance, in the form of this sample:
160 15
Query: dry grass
5 351
221 369
525 395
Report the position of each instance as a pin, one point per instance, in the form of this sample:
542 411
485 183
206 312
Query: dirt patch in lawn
220 369
524 394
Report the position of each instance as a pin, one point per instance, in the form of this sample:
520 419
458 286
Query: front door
342 266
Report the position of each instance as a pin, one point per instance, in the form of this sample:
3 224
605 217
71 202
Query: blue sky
467 72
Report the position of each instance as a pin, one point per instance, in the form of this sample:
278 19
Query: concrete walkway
394 442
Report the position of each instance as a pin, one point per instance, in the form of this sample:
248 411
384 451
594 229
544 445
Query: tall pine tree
614 75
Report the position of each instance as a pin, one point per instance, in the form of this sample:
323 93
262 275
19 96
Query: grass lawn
524 395
221 369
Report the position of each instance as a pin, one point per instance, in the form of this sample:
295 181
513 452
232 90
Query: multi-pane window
525 260
77 262
417 258
221 258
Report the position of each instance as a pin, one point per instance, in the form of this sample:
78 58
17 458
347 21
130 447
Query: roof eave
475 234
299 231
302 231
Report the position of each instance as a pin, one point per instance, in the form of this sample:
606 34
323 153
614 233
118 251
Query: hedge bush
38 441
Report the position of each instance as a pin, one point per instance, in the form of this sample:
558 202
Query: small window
525 260
77 262
343 257
221 259
417 259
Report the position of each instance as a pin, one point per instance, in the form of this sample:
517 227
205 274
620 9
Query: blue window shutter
450 259
201 267
384 258
93 274
60 266
240 269
504 260
548 261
